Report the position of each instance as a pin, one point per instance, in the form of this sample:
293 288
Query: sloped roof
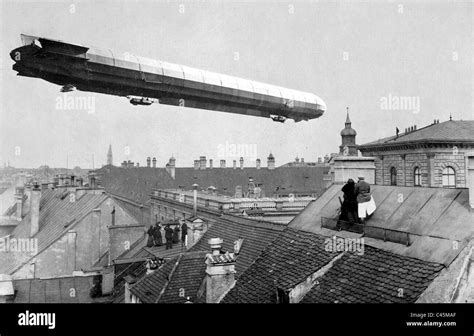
135 268
256 235
289 260
376 276
57 290
177 279
138 183
149 287
435 218
448 131
57 216
296 255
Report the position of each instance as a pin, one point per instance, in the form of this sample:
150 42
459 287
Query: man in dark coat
157 235
169 237
176 234
362 191
150 232
184 233
349 206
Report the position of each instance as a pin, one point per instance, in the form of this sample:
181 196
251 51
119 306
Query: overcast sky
349 53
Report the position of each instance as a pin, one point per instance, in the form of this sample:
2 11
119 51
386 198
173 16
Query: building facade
432 156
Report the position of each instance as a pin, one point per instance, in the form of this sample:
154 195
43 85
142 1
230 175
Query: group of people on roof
171 235
358 203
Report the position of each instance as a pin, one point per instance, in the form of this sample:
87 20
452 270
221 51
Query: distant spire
110 160
450 117
348 120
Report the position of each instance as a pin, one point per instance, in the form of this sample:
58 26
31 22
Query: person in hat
362 192
169 237
150 232
176 234
157 235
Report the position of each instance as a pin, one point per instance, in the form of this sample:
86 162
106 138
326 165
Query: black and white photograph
164 152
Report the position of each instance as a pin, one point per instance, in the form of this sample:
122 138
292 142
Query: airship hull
123 74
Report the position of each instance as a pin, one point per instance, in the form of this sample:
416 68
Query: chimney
171 167
258 163
271 161
44 186
202 162
138 164
222 163
154 162
92 182
148 162
19 203
220 272
234 164
195 187
414 127
320 160
196 164
241 163
470 177
302 160
34 210
7 292
210 163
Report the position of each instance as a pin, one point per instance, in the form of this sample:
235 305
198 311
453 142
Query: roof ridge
170 276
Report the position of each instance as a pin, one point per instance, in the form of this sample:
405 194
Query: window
417 176
449 177
393 176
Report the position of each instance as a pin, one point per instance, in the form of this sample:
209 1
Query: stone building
432 156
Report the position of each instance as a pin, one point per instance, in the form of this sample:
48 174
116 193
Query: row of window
448 174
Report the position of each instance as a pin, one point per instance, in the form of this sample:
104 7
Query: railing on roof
395 236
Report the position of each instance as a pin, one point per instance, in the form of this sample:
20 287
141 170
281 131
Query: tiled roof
57 216
56 290
448 131
149 287
134 268
186 279
375 277
256 237
138 183
289 260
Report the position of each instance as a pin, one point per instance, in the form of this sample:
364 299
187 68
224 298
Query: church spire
110 160
348 121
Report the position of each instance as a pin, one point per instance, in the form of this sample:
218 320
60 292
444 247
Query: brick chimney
220 272
171 167
241 161
271 161
19 203
222 163
196 164
35 209
210 163
258 163
154 162
202 162
148 162
234 164
7 292
195 188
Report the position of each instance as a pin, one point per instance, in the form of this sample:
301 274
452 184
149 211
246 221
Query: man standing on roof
184 233
176 234
169 237
362 191
150 232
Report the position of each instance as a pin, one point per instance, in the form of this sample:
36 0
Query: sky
362 55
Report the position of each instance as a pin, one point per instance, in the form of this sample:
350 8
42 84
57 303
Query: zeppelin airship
146 81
